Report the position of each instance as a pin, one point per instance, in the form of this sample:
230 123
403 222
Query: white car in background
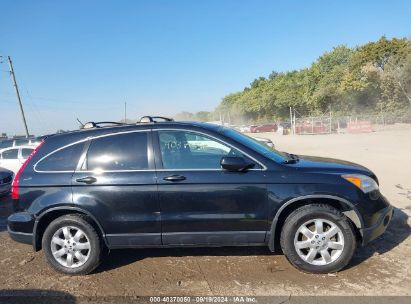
265 141
8 143
244 129
13 158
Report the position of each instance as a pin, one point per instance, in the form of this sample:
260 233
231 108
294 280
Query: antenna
81 124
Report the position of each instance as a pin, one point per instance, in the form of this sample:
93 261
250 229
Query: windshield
255 145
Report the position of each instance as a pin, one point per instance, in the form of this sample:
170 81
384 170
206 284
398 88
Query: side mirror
231 163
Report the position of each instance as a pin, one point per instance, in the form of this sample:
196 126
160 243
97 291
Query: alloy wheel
70 246
319 242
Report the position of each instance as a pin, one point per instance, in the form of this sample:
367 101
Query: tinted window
6 144
187 150
25 153
21 142
118 152
65 159
10 154
253 144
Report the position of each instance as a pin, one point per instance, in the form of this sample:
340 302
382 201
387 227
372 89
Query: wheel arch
45 218
337 202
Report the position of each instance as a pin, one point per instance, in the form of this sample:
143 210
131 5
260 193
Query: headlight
365 183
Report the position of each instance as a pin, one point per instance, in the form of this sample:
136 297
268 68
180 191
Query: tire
311 255
89 246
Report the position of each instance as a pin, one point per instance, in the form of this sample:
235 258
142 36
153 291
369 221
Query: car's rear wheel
318 238
72 245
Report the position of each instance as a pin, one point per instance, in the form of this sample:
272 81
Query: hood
5 173
314 163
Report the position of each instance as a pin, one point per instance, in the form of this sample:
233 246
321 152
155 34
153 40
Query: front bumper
5 189
384 217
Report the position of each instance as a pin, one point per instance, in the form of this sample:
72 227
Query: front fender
343 204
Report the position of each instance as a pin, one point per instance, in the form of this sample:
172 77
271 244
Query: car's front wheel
318 239
72 245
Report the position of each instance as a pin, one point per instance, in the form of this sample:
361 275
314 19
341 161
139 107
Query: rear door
116 182
200 203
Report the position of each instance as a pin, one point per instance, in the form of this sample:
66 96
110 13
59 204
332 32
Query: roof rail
148 119
100 124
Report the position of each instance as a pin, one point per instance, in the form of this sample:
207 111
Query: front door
201 204
116 183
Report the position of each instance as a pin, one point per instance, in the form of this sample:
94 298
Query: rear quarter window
65 159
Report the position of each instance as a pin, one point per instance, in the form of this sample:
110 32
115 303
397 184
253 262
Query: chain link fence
327 124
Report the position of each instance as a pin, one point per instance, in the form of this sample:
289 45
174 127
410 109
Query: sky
85 59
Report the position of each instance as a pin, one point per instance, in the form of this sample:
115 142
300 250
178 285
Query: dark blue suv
174 184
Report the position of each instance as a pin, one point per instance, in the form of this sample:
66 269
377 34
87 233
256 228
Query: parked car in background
265 141
175 184
245 128
264 128
6 177
284 128
285 125
8 143
14 157
309 127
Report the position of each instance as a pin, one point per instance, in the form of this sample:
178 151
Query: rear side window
118 152
25 153
65 159
10 154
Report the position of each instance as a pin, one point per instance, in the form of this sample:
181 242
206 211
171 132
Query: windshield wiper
292 158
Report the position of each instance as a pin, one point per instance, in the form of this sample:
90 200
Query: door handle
87 180
174 178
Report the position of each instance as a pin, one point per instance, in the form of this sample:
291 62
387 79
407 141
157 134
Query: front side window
65 159
188 150
118 152
10 154
253 144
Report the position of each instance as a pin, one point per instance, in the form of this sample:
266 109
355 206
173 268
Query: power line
37 112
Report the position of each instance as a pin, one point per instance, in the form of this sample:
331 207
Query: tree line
370 78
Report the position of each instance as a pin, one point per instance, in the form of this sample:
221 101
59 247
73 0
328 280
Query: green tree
346 80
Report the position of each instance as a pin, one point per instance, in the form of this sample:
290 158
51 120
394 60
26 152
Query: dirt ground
382 268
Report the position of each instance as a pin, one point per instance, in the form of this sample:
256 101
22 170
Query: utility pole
18 95
291 121
125 112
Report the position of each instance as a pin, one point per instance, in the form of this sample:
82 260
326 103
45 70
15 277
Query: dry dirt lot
382 268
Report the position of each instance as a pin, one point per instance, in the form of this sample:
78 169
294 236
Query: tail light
15 184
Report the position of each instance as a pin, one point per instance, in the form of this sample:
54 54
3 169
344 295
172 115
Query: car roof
79 135
137 126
